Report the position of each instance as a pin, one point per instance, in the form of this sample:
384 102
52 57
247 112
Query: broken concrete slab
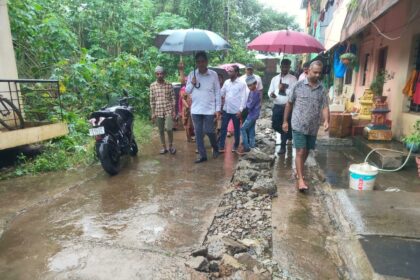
228 265
221 245
256 156
264 185
199 263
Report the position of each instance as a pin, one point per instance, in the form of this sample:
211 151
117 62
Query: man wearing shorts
308 101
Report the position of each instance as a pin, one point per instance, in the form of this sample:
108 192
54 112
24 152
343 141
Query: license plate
97 131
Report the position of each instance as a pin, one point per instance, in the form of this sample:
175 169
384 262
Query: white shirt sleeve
217 93
259 83
243 97
272 87
189 87
223 90
292 81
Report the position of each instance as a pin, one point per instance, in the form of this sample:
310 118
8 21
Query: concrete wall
399 59
8 69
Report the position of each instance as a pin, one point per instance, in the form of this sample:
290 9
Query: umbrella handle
199 85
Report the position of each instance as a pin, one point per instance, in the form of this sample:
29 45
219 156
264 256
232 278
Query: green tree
41 37
98 47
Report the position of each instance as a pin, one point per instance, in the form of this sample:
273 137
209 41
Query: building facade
384 35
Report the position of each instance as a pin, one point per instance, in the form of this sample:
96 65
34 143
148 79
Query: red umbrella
286 41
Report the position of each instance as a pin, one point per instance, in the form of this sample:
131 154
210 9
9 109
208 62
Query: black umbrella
220 71
161 37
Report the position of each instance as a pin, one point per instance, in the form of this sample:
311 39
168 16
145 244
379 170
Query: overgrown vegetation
74 150
98 47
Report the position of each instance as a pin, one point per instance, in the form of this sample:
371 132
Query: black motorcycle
112 127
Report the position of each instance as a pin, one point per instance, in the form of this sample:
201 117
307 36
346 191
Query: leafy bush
71 151
97 48
414 137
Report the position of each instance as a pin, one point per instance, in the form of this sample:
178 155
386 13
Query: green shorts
165 123
303 141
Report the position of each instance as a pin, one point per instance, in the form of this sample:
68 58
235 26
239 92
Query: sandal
172 150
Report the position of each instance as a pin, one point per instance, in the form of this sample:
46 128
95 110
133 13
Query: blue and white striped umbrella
189 41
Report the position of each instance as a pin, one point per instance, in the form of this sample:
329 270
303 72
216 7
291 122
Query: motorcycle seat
104 114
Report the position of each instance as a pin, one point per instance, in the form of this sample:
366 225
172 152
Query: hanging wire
405 25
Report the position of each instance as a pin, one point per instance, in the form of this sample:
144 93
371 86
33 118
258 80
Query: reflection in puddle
67 259
130 226
91 229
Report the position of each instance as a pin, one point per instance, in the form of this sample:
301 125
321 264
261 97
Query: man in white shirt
278 92
234 93
250 72
203 85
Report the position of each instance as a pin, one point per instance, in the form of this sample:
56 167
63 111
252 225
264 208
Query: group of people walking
209 104
206 101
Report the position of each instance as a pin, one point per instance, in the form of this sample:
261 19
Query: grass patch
143 129
75 150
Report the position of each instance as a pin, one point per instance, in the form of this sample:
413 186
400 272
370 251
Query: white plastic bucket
362 176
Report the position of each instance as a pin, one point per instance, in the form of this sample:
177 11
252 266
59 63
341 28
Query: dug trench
264 228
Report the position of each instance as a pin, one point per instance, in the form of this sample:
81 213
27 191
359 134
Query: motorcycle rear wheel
109 157
134 149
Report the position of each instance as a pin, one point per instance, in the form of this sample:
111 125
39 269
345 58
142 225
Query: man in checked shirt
162 104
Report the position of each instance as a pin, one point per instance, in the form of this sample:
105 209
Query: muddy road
140 224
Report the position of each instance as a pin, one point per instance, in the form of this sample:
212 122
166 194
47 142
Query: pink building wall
394 23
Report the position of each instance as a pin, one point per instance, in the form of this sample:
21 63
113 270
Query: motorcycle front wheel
109 156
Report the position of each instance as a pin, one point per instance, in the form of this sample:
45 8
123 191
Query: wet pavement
335 163
385 222
303 238
140 224
143 223
315 234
